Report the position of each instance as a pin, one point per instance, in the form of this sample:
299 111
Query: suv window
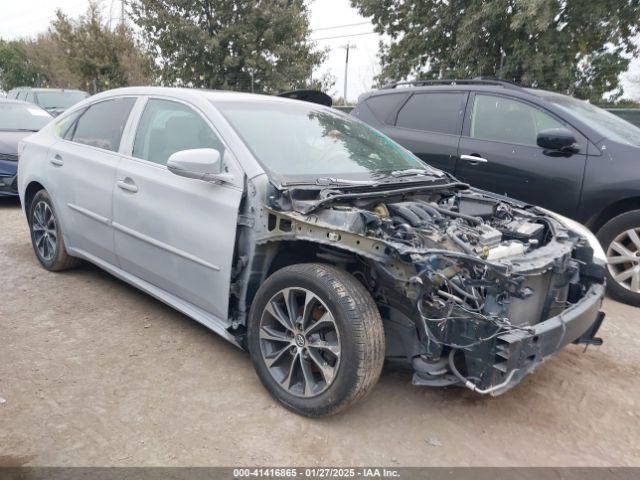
168 127
505 120
29 97
382 105
101 125
439 112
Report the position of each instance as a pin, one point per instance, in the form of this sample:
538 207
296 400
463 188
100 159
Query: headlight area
579 229
485 326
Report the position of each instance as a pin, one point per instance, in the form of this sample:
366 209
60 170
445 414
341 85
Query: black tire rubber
359 324
606 234
61 260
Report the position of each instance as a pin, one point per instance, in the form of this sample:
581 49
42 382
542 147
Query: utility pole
347 47
122 13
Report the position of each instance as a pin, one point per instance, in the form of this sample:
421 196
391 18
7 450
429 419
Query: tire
620 239
353 324
49 246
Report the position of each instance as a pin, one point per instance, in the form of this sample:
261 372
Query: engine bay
462 278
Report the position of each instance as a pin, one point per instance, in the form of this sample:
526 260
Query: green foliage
574 46
76 53
222 43
16 69
98 55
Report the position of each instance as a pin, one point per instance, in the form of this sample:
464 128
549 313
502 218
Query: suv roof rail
454 81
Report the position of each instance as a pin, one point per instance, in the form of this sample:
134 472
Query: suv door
82 168
429 125
498 152
174 232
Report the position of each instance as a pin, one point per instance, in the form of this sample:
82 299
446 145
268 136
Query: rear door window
102 124
439 112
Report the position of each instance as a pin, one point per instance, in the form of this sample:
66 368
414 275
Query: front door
174 232
498 152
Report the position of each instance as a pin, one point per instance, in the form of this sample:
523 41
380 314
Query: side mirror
559 139
200 164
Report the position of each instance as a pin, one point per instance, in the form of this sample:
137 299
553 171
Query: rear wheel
620 238
316 338
46 235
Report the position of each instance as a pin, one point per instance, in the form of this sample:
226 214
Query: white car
309 238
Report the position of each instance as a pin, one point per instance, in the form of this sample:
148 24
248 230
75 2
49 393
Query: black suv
541 147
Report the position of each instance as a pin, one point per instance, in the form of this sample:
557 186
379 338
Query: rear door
174 232
83 165
498 152
429 125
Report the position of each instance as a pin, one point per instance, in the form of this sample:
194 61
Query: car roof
492 86
191 93
42 89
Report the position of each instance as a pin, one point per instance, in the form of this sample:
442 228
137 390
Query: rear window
439 112
383 105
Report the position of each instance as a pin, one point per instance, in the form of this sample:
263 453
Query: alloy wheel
623 259
45 235
300 342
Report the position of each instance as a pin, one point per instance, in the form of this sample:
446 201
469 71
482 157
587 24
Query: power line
344 36
339 26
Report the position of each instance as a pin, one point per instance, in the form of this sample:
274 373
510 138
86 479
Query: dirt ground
95 373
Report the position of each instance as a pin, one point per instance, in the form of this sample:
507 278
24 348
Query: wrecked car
310 239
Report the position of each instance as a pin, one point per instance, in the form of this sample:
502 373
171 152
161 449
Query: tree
101 58
578 47
16 69
243 45
76 53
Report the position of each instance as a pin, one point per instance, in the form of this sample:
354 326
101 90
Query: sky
329 19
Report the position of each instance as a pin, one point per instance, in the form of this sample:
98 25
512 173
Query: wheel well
30 192
286 253
614 210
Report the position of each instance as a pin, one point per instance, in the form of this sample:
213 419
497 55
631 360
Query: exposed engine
468 224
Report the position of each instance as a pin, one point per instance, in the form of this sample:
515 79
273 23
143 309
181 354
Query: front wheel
620 238
316 338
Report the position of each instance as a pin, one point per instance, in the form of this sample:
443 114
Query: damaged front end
473 289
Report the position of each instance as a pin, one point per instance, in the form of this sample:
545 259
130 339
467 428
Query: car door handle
473 158
56 160
128 185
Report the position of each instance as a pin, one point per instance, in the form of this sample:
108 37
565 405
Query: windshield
58 99
22 116
605 123
300 139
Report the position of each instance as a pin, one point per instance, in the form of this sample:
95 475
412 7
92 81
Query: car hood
9 141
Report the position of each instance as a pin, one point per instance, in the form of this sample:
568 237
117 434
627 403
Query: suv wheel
316 338
620 238
46 235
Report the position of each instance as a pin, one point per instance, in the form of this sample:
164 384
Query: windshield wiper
18 130
340 181
409 172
